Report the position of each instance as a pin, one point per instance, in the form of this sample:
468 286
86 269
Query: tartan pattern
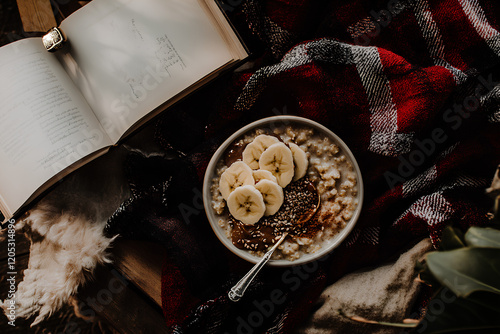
399 89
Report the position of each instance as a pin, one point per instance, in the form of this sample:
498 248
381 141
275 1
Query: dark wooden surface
127 294
141 263
36 15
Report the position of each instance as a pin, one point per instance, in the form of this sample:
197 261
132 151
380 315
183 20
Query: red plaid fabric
399 79
410 86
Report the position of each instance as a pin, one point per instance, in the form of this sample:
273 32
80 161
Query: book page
45 123
128 57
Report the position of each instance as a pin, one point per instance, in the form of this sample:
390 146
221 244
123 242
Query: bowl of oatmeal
283 174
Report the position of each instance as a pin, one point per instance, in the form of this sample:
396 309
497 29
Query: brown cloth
385 293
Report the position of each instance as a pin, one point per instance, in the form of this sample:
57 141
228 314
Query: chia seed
300 200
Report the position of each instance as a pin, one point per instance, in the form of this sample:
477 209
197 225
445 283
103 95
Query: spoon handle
238 290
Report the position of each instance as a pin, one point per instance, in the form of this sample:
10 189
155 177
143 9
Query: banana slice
272 194
299 161
262 174
278 160
238 174
246 204
253 151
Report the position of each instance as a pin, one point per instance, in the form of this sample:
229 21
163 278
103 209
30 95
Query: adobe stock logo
194 208
454 118
292 280
364 30
230 5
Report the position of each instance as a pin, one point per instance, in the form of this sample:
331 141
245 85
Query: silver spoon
238 290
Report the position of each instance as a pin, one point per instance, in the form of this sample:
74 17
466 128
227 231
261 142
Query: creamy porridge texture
321 172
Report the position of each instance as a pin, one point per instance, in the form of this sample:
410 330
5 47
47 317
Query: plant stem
410 323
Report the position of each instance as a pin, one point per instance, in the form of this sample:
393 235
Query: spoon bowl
270 123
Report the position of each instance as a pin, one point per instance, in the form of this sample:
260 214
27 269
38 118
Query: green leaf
483 237
452 238
425 275
466 270
448 314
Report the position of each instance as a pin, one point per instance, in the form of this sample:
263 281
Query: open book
127 60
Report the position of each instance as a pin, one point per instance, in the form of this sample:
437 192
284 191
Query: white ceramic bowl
272 122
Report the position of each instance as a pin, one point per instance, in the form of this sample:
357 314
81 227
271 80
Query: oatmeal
261 162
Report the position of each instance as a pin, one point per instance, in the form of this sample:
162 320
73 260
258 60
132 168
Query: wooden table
127 294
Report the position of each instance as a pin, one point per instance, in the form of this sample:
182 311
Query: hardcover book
124 62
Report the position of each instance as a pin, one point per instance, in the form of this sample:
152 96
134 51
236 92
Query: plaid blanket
411 86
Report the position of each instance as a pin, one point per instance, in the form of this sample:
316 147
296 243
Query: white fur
64 251
66 233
